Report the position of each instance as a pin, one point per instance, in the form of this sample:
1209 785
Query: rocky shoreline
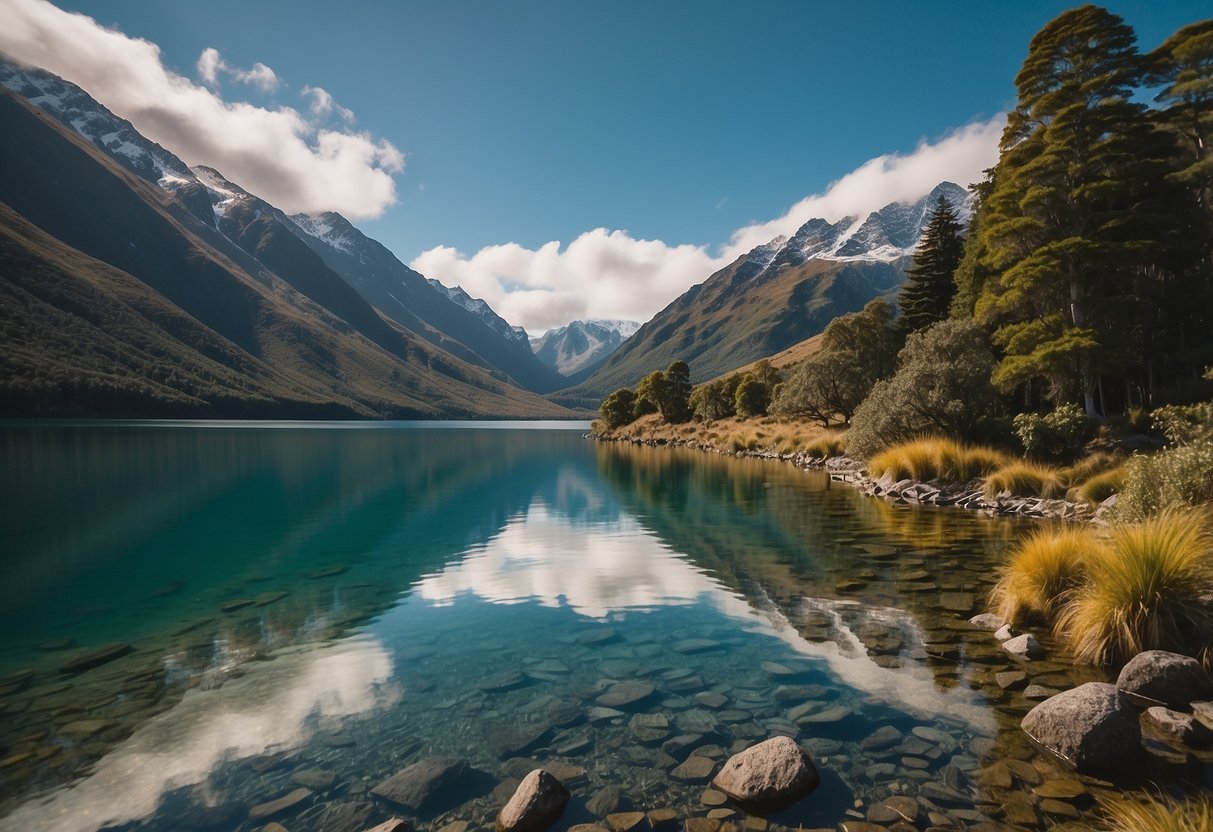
843 469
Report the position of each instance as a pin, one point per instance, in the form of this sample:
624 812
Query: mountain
475 335
131 285
581 344
772 297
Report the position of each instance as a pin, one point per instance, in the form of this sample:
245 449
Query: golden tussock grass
1026 479
1044 569
1144 590
1101 486
1155 815
935 459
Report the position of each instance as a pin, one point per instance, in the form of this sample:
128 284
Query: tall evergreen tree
1078 213
930 281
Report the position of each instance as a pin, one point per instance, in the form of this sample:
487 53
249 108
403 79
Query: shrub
1184 424
1154 815
826 386
942 386
1026 479
934 459
1176 477
1059 435
752 397
1043 570
1145 591
1101 486
618 409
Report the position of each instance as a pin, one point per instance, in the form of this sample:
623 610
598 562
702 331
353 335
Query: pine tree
930 285
1078 213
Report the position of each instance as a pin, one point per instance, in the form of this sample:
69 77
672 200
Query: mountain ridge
579 345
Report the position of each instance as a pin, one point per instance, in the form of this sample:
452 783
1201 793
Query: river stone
508 680
663 818
625 821
906 807
316 779
1167 678
1179 726
85 728
392 825
694 769
835 713
694 645
96 658
605 800
602 635
957 601
884 737
1004 633
1024 647
1093 727
711 699
1038 692
696 721
265 811
510 739
1062 788
623 694
1010 679
412 786
987 621
1019 809
539 799
603 714
775 770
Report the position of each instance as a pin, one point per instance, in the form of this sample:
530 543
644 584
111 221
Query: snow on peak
331 228
480 309
579 344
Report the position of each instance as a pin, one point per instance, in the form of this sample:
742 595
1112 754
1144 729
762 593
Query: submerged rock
1024 647
1167 678
1093 727
987 621
281 806
96 658
539 799
413 786
1179 726
776 770
623 694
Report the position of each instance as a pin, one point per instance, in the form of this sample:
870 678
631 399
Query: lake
309 609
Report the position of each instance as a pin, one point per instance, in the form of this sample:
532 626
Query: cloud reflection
276 706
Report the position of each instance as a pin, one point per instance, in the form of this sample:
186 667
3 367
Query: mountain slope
771 298
119 301
252 225
581 344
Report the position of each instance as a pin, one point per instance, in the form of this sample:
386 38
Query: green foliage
1181 476
1082 232
1058 436
930 286
942 386
668 392
715 400
857 350
1184 424
752 397
619 408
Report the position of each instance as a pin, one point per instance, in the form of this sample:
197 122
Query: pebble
694 769
625 821
267 810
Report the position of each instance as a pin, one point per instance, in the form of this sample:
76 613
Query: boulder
412 786
1167 678
1093 727
987 621
773 771
1024 647
1181 727
538 800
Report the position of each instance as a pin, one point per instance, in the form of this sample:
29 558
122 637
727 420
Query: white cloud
611 274
280 154
323 104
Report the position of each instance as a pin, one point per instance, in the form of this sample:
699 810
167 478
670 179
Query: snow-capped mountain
467 328
482 310
581 344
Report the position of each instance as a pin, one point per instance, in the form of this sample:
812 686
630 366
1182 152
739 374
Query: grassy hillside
113 305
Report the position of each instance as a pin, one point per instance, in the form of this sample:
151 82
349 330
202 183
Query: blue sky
528 122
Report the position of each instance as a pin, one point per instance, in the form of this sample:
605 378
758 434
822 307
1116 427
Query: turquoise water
322 605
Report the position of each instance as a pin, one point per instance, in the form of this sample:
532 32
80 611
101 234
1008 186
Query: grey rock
1167 678
1093 727
412 786
987 621
773 771
509 739
539 799
1024 647
623 694
1004 633
1179 726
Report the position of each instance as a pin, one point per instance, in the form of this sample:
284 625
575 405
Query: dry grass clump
934 459
1045 568
827 445
1026 479
1144 590
1154 815
1100 487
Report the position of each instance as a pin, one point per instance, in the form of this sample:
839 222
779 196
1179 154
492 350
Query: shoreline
843 469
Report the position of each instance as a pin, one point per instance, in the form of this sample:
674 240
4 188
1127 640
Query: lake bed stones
414 785
1093 727
539 799
1165 678
775 771
625 694
96 658
284 804
1177 726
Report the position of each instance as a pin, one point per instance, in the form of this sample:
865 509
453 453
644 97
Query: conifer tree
930 285
1079 211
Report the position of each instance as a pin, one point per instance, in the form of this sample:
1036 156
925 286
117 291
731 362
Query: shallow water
323 605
